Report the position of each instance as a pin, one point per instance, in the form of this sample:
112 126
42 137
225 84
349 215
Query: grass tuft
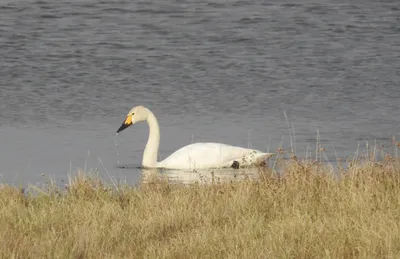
308 210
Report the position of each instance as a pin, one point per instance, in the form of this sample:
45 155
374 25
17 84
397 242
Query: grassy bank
306 213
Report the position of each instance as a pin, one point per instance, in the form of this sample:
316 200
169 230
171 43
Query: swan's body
193 156
211 155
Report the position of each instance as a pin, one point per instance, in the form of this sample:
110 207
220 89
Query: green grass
306 213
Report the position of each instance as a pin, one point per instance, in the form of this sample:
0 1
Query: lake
219 71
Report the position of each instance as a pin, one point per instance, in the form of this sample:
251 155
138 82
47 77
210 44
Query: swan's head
136 114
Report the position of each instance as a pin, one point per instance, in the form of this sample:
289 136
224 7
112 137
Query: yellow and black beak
126 124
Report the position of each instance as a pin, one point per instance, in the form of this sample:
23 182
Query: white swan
193 156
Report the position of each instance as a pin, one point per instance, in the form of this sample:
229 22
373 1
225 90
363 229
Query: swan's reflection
200 176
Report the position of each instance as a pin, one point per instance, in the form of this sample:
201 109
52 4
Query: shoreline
307 212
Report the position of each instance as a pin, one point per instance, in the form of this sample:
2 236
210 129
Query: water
223 71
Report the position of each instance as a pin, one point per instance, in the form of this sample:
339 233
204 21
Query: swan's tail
265 156
254 159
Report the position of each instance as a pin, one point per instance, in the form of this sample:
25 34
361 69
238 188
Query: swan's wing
209 155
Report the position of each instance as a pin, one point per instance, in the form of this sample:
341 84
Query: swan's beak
126 123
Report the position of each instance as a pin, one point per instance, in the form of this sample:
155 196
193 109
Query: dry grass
306 213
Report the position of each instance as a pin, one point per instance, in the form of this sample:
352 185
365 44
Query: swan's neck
151 151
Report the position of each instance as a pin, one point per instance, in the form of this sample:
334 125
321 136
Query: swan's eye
133 113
